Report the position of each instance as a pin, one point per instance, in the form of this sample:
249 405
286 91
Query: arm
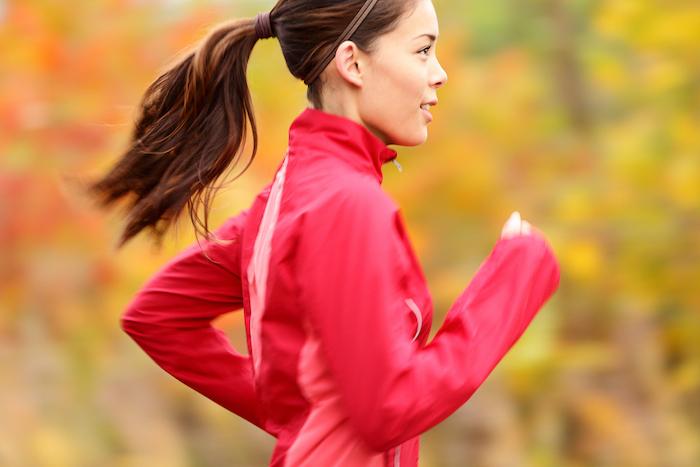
170 319
394 389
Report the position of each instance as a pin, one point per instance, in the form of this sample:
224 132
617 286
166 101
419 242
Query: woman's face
399 76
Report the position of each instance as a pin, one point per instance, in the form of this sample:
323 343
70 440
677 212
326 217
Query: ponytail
190 128
193 118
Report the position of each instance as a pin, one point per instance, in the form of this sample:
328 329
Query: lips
424 109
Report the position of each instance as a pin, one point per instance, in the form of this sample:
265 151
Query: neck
322 134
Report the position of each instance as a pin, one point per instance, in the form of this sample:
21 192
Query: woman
337 309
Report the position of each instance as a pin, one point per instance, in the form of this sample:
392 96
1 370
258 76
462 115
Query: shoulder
349 211
358 196
229 231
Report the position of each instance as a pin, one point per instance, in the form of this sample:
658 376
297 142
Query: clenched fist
515 226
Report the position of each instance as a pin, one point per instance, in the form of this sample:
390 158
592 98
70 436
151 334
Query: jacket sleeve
170 318
393 388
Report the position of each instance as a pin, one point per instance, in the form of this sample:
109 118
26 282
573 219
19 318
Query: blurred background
584 115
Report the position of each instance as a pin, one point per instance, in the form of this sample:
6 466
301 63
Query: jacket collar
315 129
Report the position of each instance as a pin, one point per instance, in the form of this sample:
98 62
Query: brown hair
192 118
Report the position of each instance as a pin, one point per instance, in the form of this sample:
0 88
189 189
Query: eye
425 49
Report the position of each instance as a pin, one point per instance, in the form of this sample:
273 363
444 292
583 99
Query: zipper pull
398 166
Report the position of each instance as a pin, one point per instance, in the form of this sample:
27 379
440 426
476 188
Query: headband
352 27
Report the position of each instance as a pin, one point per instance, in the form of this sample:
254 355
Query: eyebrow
431 36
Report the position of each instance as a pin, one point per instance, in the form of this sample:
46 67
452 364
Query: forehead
422 19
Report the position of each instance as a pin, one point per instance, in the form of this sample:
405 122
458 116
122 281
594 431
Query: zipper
397 456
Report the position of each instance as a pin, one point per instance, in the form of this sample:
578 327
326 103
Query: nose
441 76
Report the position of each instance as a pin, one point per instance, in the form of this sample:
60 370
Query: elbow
378 439
378 431
137 329
129 327
130 322
126 325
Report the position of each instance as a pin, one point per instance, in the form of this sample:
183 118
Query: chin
415 140
421 135
416 136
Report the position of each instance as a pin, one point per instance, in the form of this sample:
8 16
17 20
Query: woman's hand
515 226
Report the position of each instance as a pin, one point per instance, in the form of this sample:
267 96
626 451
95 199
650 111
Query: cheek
391 102
396 92
406 86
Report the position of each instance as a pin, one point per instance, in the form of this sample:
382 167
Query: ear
350 61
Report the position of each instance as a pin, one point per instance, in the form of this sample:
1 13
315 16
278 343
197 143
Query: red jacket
337 309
